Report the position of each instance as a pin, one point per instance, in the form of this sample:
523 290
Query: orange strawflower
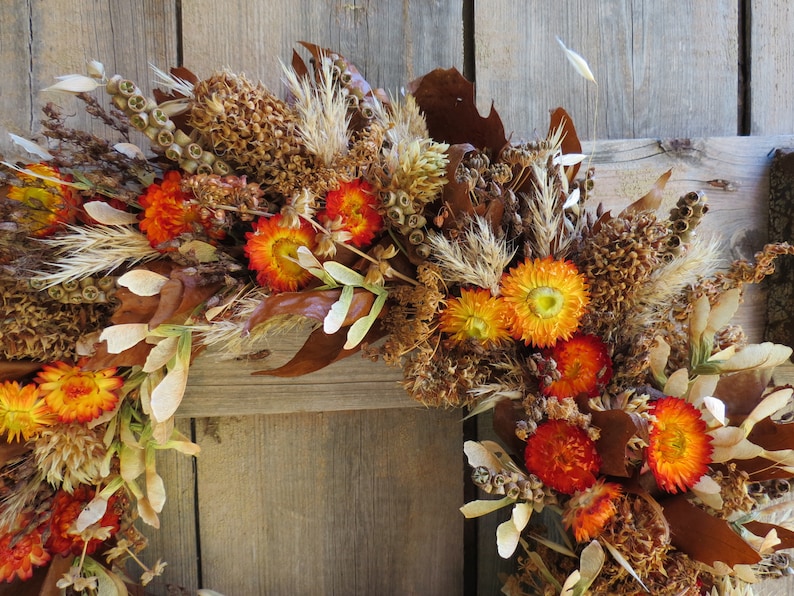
271 248
22 412
590 510
65 510
170 212
583 366
679 449
562 456
476 315
20 554
356 204
547 297
76 395
49 203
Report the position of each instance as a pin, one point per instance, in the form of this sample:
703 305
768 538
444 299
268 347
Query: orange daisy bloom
19 555
583 365
168 211
22 412
355 203
562 456
271 248
679 449
65 510
76 395
547 297
476 315
590 510
50 205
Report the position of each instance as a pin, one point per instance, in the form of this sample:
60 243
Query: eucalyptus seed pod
164 138
481 475
189 165
389 199
416 220
221 168
181 138
403 200
395 214
87 281
112 86
423 251
56 292
36 283
119 102
70 285
127 88
89 293
512 490
106 282
194 151
416 237
75 297
140 121
173 152
204 168
137 103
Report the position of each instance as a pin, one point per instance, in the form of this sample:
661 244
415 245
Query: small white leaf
204 252
716 408
509 532
591 562
484 506
92 512
677 384
767 406
708 491
579 63
124 336
572 199
168 394
132 462
569 159
344 275
74 83
96 69
338 311
147 513
155 489
160 354
142 282
722 311
570 582
108 215
478 455
624 563
763 355
130 150
31 147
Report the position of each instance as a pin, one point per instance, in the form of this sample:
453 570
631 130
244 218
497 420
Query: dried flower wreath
411 230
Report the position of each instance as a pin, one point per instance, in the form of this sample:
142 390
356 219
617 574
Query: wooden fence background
336 483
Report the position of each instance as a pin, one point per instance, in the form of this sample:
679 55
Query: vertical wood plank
176 540
389 42
771 67
662 71
44 39
332 503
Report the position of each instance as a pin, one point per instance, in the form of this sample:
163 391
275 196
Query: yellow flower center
545 302
477 328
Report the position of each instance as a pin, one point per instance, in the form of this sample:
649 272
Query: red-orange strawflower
548 298
22 413
590 510
271 248
50 204
65 510
20 554
476 315
356 204
679 449
169 212
562 456
583 366
77 395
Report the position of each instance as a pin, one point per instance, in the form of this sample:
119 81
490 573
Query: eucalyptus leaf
338 312
482 507
342 274
590 563
359 329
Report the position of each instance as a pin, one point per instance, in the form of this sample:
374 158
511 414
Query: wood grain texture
332 503
771 66
389 42
662 71
176 539
42 40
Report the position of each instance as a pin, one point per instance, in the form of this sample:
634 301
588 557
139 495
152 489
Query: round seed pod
423 251
70 285
87 281
106 282
416 237
90 293
127 88
174 152
75 297
204 168
165 138
395 214
112 86
221 168
36 283
136 103
140 121
194 151
56 292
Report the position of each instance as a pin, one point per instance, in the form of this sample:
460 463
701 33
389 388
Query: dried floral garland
602 341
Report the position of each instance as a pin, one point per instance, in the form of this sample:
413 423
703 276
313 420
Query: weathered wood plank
332 503
57 38
176 539
770 66
389 42
658 74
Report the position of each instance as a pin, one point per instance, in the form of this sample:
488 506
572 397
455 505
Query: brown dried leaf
617 427
762 529
652 200
14 370
314 304
570 140
447 100
704 537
